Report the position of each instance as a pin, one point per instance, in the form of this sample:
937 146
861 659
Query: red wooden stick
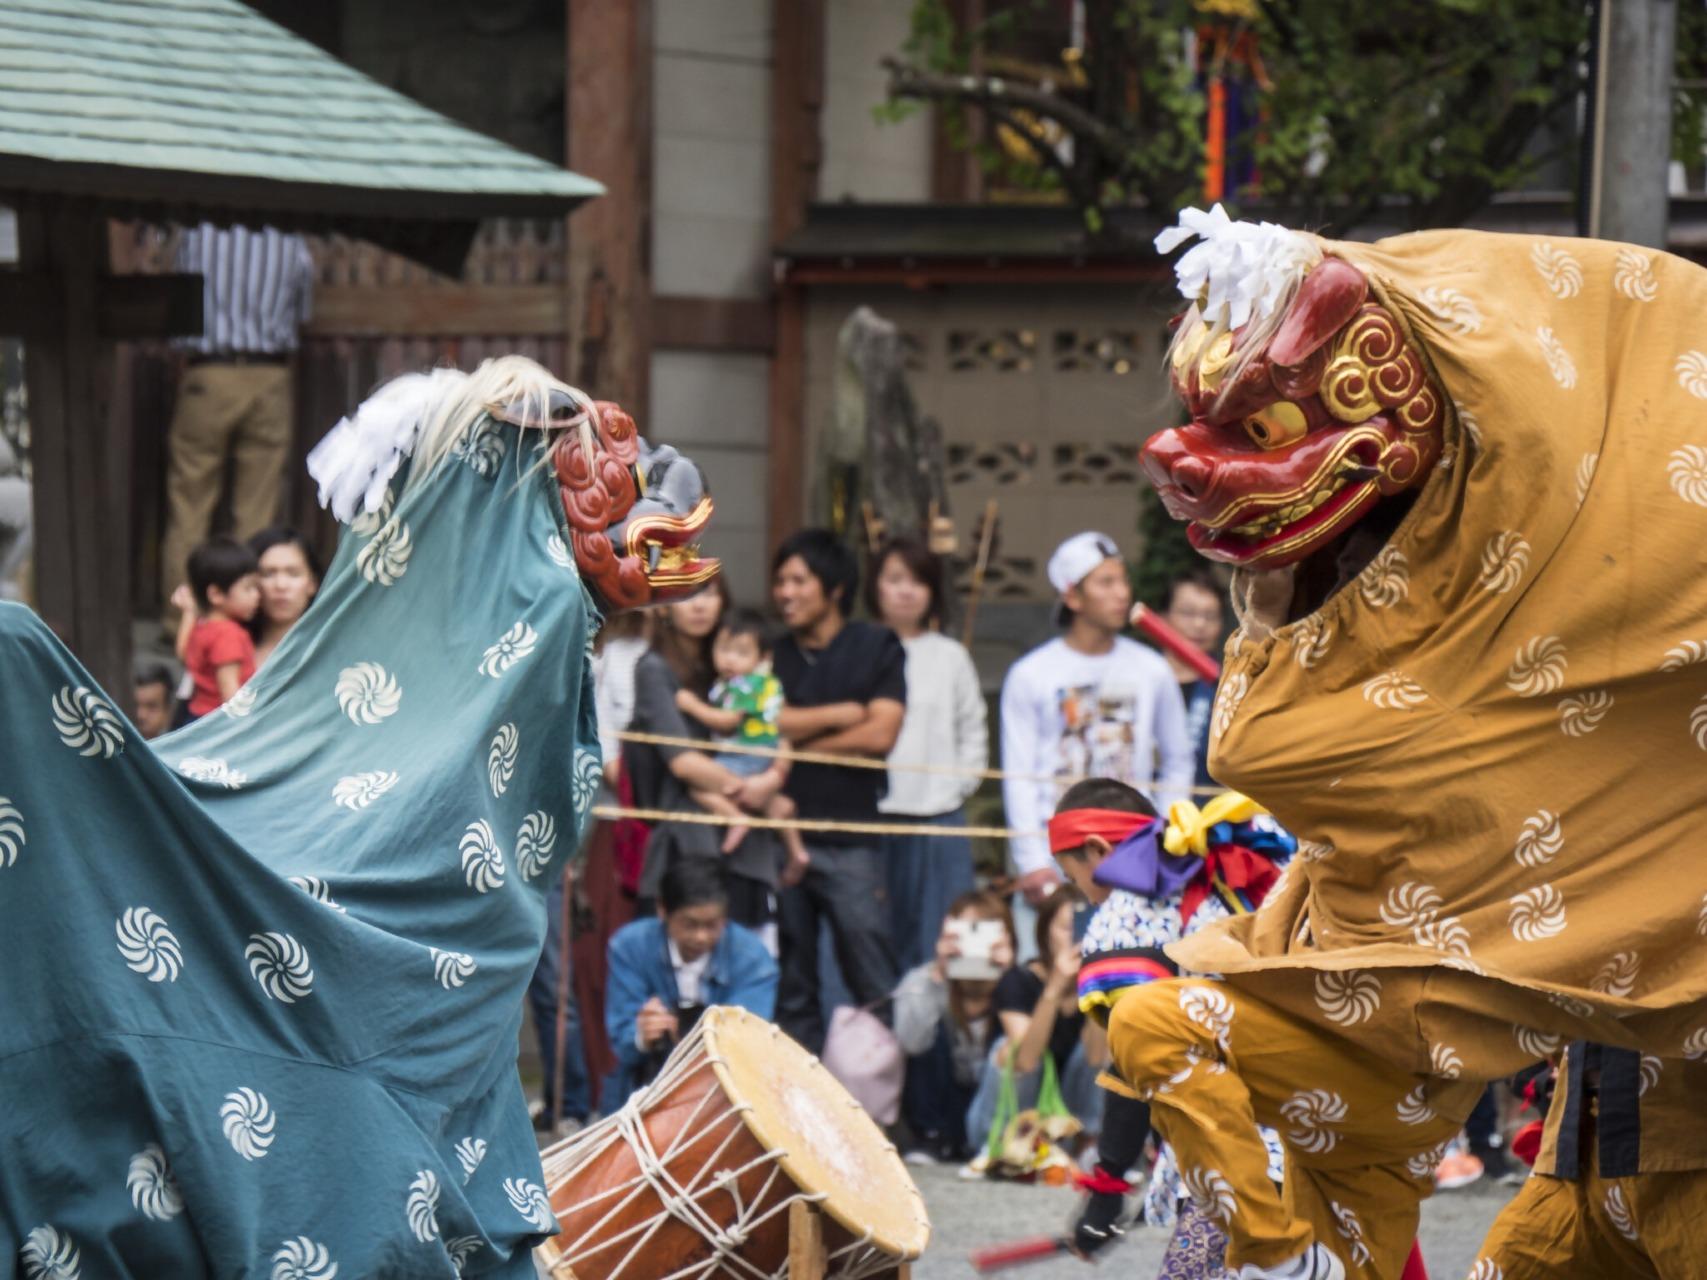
1151 624
1017 1253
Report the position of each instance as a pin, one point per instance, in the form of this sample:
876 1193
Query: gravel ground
975 1215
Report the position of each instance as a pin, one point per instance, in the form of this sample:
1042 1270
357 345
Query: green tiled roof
108 96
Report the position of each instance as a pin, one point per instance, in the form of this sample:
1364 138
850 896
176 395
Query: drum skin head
830 1146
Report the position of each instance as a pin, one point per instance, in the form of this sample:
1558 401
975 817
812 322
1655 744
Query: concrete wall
711 238
865 160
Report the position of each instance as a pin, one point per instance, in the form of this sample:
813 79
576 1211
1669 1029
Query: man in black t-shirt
845 688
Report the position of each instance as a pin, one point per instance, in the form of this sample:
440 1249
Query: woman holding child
677 778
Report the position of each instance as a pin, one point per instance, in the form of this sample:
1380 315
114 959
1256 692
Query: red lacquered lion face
1289 448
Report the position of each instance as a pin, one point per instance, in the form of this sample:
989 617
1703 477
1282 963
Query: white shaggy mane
428 416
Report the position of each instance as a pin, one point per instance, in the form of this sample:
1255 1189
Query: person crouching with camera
666 972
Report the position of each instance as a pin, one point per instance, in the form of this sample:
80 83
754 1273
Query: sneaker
919 1156
1457 1169
1499 1169
1316 1263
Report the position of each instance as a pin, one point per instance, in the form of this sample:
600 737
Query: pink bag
866 1057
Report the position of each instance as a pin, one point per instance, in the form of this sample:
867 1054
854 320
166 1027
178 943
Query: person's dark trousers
934 1103
844 890
542 1000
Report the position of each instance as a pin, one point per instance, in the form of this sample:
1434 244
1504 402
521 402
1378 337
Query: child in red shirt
218 651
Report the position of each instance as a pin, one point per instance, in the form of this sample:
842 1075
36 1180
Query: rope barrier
616 812
858 762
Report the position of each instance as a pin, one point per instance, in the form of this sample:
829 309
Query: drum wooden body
695 1176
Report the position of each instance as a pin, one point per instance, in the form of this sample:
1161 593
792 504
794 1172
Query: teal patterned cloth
263 983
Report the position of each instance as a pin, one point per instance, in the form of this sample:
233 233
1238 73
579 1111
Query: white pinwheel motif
248 1122
1409 904
1570 1004
1559 362
50 1254
1698 724
1460 314
1394 691
1538 669
1211 1192
1209 1009
214 772
1561 271
385 557
1582 713
469 1153
280 964
1444 1061
1444 933
1686 469
510 648
87 723
240 703
534 843
1314 850
482 859
1695 1044
1540 840
1536 1043
1348 998
303 1259
1648 1068
1413 1109
1619 1215
367 693
1486 1269
452 968
584 780
368 523
149 1181
1617 977
1633 276
1684 655
1351 1231
1537 913
1227 699
1701 917
358 790
12 835
1386 581
1309 1113
317 889
529 1200
501 758
148 946
1310 645
558 550
461 1250
1585 475
422 1206
482 451
1472 427
1422 1165
1691 370
1503 561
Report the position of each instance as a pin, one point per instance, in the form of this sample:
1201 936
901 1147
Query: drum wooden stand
744 1160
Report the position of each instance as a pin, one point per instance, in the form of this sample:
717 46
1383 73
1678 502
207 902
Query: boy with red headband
1151 882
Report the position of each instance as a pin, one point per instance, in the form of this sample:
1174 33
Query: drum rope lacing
682 1202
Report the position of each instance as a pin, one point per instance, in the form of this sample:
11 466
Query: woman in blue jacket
666 971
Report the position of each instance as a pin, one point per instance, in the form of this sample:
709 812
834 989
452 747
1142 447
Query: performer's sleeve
971 723
1178 763
1125 1126
1022 796
624 994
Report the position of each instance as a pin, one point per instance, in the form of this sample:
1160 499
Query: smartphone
978 939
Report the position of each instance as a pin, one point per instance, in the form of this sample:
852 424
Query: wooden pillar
797 100
81 516
609 67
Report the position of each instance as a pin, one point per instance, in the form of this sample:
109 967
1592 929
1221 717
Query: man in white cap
1089 703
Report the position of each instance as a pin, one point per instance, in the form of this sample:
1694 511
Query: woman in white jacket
945 724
